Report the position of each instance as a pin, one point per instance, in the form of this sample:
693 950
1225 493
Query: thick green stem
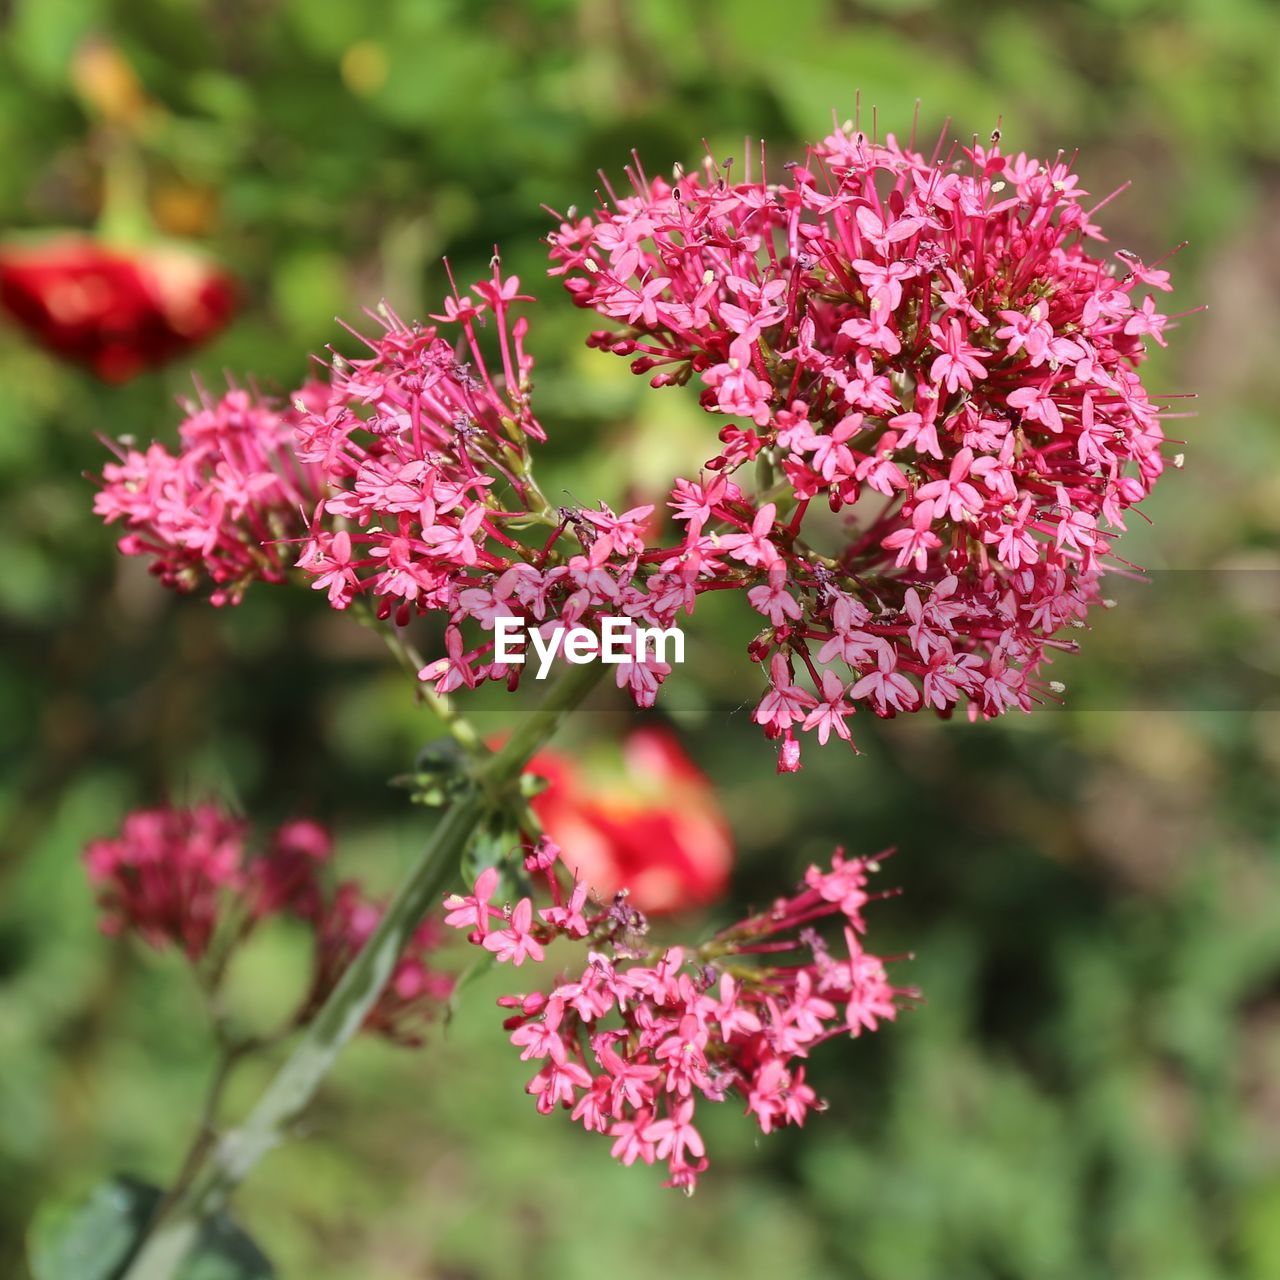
230 1159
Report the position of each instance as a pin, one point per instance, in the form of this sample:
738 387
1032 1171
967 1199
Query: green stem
229 1160
440 704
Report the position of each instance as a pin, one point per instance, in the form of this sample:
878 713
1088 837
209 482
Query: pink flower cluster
223 506
927 349
416 991
167 874
411 443
433 505
631 1044
186 877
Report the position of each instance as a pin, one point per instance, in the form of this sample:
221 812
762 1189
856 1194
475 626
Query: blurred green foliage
1092 896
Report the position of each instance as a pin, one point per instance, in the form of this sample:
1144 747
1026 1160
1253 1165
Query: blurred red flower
653 827
116 312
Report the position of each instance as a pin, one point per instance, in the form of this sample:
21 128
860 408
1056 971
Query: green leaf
94 1239
225 1252
494 845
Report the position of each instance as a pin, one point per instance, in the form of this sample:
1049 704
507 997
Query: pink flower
187 877
225 508
452 672
884 281
785 702
516 942
330 556
845 885
554 1085
773 599
630 1143
629 1082
286 877
644 1037
673 1136
1030 332
942 365
739 390
170 875
472 911
953 497
1038 405
914 544
958 363
887 690
540 1038
831 713
1148 321
754 548
882 230
777 1097
569 918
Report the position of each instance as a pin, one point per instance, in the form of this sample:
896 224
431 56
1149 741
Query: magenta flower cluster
634 1042
929 351
433 506
224 507
187 877
938 429
411 442
165 875
933 429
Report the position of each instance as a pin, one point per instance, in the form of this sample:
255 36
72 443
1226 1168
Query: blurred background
1092 894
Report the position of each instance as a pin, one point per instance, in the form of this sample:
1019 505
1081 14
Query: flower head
410 442
169 875
641 1036
187 877
932 348
177 875
223 508
425 451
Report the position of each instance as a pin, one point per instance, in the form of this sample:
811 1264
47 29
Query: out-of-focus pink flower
187 877
642 1036
654 829
416 991
169 875
117 313
286 878
175 875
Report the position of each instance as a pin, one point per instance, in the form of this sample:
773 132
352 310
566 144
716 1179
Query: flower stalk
229 1160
